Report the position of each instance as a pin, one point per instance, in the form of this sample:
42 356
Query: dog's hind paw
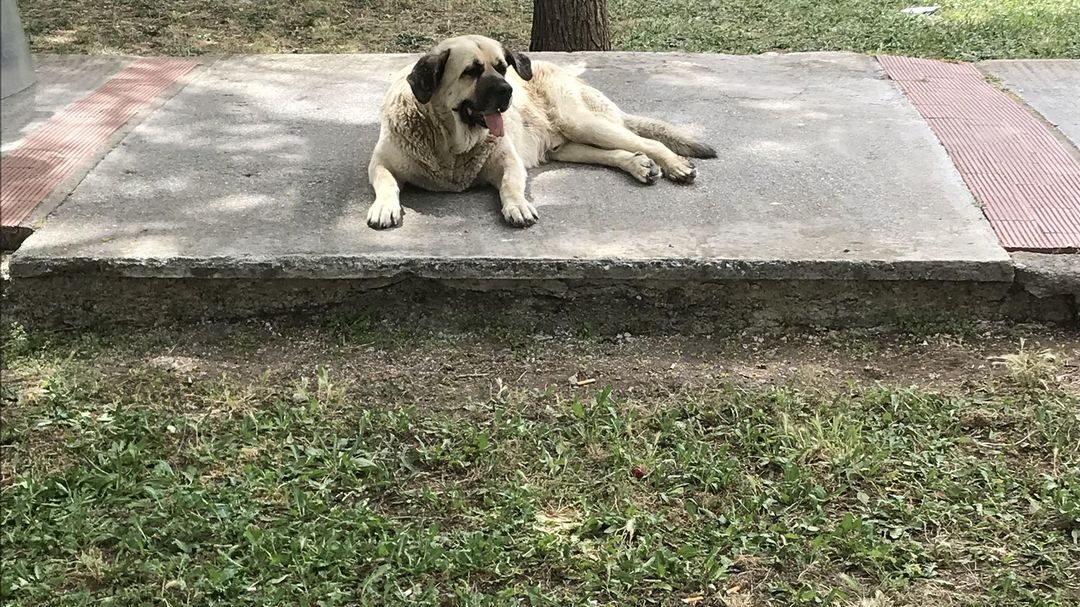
644 169
682 171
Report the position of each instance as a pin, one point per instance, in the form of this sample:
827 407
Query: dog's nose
493 93
503 90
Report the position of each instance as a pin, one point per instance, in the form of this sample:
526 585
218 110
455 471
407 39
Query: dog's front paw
520 214
682 171
383 215
644 169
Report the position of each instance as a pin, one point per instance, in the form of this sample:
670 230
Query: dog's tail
678 140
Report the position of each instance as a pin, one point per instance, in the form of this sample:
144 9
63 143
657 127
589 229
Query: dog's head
467 74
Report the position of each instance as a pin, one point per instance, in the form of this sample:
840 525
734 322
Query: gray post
17 77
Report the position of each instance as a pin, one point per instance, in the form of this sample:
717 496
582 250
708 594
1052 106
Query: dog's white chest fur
434 165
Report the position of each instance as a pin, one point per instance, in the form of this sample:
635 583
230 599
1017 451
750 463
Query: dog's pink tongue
494 123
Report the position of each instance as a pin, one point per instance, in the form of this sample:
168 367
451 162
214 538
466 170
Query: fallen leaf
921 10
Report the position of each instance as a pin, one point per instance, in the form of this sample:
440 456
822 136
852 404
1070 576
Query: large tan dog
471 112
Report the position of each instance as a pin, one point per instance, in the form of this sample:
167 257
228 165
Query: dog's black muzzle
493 94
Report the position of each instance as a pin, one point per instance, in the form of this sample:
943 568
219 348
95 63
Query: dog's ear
426 74
521 63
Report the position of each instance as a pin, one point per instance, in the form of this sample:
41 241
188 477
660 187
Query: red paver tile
74 136
1027 179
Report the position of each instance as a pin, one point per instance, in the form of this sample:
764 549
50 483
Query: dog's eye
473 71
501 68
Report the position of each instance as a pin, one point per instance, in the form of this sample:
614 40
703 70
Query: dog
472 112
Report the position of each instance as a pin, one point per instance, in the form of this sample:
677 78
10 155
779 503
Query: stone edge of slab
320 267
1047 275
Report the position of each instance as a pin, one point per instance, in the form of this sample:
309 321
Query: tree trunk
570 25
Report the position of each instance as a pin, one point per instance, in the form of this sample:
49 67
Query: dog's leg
507 172
610 135
640 166
385 212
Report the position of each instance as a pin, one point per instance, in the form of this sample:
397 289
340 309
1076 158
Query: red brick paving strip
73 136
1026 178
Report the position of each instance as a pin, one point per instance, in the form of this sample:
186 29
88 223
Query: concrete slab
61 80
1050 86
258 169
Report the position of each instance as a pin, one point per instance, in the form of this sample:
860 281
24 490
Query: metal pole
17 79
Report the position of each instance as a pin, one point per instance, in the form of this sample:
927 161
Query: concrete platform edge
639 306
544 295
329 267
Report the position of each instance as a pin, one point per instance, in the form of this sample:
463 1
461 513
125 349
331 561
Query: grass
962 29
234 467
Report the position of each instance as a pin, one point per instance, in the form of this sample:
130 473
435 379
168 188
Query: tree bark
570 25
